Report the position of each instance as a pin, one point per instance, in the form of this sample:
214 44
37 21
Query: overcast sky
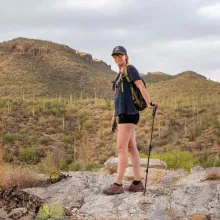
171 36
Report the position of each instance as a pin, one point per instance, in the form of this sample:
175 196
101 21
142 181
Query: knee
121 149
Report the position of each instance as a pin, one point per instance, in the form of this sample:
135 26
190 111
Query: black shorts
124 119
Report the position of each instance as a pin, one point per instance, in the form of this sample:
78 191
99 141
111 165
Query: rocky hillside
80 128
41 68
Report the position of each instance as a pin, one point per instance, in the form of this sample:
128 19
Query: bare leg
135 157
123 137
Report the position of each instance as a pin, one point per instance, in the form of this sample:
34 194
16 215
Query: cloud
176 56
170 36
211 11
89 4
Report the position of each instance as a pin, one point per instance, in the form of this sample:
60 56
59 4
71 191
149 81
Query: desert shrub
3 103
44 140
52 163
11 137
175 159
7 155
81 166
210 161
102 104
88 124
68 139
29 155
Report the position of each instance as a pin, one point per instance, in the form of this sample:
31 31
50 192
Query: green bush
10 137
29 155
211 162
80 166
3 103
175 159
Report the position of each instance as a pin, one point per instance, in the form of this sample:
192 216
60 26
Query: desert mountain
42 68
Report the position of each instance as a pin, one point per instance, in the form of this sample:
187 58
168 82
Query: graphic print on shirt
117 91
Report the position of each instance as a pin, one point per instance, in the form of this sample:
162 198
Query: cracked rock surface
188 198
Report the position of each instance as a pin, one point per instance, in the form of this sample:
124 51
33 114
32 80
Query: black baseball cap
119 49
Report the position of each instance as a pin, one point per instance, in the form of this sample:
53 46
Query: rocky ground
177 196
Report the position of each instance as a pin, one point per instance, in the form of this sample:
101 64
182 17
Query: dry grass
86 150
53 163
22 177
170 213
214 174
2 168
157 175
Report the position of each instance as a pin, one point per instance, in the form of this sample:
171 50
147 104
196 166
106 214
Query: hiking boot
113 189
135 188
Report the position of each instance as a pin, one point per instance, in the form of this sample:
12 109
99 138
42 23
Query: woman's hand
112 121
150 106
154 105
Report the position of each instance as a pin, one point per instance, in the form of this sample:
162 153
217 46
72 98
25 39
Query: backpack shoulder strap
126 74
114 81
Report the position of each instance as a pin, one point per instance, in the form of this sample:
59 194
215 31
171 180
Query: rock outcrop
177 200
94 61
176 195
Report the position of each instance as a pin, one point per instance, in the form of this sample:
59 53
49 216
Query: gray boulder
112 163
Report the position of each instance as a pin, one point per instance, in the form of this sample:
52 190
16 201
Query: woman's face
119 59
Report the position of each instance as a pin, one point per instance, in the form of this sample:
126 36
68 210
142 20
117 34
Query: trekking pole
150 146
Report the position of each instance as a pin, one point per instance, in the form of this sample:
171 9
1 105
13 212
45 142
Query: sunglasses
119 55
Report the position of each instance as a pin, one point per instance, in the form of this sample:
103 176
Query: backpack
137 97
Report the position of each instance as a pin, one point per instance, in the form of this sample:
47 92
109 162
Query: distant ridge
191 74
158 73
154 77
43 68
38 68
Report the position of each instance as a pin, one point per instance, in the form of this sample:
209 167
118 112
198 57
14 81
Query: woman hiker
128 117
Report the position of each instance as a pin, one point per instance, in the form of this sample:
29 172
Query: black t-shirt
122 94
